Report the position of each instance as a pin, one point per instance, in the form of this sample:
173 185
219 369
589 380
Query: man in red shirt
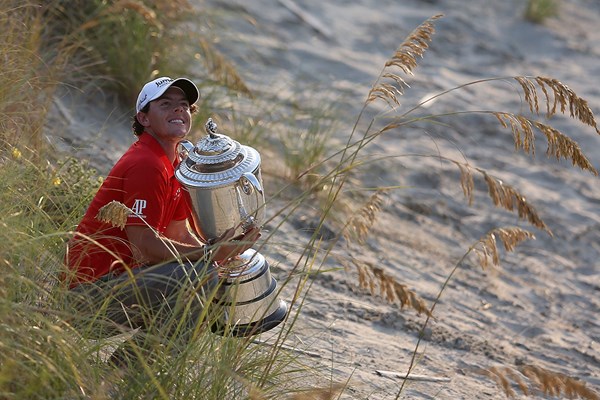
133 271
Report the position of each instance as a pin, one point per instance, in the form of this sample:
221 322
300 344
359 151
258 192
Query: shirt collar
150 141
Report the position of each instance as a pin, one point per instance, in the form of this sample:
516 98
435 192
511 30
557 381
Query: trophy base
246 300
253 328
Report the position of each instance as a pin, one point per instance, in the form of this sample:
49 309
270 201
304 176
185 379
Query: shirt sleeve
146 190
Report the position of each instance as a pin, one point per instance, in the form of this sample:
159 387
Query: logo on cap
142 100
163 81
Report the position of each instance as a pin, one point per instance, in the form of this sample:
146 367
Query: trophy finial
211 128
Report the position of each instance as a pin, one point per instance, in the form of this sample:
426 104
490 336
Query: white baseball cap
154 89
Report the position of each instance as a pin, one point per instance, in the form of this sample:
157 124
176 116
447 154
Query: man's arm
148 248
179 232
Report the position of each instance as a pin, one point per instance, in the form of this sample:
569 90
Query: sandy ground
541 306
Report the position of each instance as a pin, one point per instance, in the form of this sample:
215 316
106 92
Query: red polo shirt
143 179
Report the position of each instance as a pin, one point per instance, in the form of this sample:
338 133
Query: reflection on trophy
224 187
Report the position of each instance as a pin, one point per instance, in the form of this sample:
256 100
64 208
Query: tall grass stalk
31 71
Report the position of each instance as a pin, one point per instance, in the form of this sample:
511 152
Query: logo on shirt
138 208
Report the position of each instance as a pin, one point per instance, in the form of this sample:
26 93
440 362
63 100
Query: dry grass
30 72
114 213
390 85
506 196
502 195
370 277
487 248
361 221
377 281
560 97
559 145
531 378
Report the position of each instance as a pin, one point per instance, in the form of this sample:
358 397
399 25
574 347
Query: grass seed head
114 213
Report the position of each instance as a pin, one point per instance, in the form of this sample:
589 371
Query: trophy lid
215 160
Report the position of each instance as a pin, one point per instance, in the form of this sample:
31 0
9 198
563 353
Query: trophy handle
183 149
248 181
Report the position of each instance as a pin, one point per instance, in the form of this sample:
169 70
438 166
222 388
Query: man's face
169 116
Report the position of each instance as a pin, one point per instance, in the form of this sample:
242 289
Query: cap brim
188 87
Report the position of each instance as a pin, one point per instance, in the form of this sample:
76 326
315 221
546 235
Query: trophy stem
247 297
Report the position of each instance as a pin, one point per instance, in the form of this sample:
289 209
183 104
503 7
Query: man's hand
227 246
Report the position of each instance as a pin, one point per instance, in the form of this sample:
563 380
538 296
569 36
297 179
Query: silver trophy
223 183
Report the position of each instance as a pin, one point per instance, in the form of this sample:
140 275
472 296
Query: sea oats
373 278
362 220
502 380
502 195
414 46
466 181
114 213
559 144
558 98
568 99
530 92
562 146
396 78
518 379
487 249
500 375
389 85
521 128
548 382
507 197
387 92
